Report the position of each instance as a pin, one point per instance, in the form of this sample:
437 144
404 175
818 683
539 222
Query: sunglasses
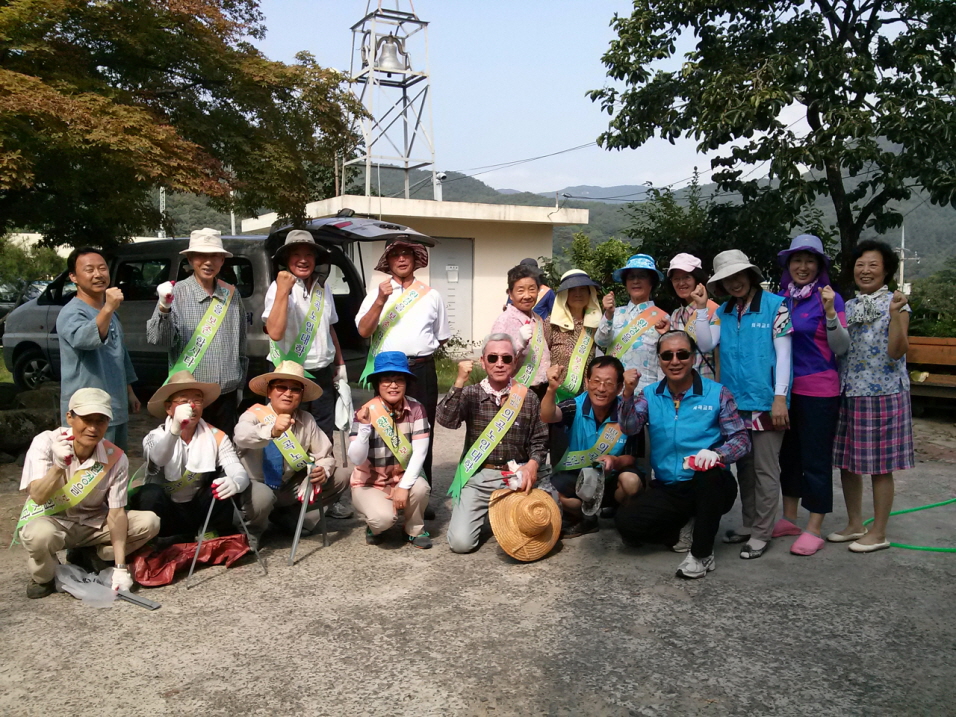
294 390
682 355
505 358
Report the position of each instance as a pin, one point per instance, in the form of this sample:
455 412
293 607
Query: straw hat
206 241
290 370
421 254
180 381
526 525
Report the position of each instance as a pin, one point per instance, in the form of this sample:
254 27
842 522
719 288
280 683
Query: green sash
489 439
629 335
387 430
532 359
71 494
575 460
389 320
310 325
292 451
571 386
205 332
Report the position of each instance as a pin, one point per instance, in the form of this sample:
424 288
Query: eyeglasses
392 381
505 358
602 384
682 355
401 252
294 390
184 401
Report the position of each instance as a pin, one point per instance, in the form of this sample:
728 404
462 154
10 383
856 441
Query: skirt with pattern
874 434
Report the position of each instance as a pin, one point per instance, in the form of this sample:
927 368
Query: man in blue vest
594 437
695 434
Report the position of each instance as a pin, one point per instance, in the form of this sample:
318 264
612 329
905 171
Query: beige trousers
263 502
758 474
379 514
43 537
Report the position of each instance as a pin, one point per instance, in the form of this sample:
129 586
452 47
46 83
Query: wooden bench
936 358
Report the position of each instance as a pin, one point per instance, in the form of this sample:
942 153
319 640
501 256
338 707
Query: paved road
596 628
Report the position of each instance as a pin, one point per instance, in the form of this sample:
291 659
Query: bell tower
389 75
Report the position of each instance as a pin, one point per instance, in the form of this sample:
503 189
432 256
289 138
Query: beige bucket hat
290 370
206 241
728 263
181 381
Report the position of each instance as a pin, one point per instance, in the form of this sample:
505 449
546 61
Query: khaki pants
758 474
264 502
43 537
379 514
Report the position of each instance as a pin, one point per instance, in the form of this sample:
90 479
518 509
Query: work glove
181 416
341 374
165 293
62 447
706 459
307 486
526 332
225 487
122 580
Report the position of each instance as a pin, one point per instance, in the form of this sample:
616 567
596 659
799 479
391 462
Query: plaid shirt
527 439
736 445
382 468
225 360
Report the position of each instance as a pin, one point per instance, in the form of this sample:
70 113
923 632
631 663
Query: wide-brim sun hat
299 237
526 525
728 263
803 242
290 370
87 401
181 381
685 262
419 250
637 261
205 241
590 489
390 362
574 278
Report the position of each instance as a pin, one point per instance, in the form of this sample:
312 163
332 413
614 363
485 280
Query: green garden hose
914 510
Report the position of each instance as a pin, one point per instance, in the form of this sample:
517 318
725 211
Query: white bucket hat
206 241
728 263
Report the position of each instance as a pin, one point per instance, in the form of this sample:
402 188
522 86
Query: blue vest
748 360
676 433
584 429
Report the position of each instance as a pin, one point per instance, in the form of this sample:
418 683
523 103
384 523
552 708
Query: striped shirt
225 360
382 468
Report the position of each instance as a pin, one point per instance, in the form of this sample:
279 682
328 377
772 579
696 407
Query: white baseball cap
91 400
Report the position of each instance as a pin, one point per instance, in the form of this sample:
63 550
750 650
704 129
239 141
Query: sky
508 82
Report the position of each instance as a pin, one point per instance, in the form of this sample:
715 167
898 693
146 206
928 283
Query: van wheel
32 369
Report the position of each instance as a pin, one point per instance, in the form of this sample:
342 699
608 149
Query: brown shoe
582 527
37 590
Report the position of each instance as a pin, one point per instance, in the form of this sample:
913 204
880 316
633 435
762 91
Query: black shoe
429 513
40 590
608 512
371 538
338 511
422 540
582 527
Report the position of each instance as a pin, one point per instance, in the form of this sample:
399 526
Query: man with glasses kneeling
595 438
281 445
502 423
695 433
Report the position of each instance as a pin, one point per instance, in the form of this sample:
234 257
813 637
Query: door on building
451 271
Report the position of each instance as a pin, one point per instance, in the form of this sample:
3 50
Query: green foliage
874 80
934 303
20 266
101 103
598 260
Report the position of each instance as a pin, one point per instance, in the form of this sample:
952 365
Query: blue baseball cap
390 362
638 261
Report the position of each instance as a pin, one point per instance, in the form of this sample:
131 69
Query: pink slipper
785 527
806 544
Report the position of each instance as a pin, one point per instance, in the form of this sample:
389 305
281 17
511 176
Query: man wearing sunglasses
523 438
282 446
695 434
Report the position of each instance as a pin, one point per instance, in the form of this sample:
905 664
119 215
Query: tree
934 303
874 79
598 260
21 265
101 103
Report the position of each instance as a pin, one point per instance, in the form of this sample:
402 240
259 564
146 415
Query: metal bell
390 58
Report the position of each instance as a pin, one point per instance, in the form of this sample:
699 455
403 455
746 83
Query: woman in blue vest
754 339
874 433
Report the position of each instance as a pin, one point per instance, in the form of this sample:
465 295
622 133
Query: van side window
340 286
138 279
236 270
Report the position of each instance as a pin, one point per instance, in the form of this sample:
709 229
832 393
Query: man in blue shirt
594 437
92 350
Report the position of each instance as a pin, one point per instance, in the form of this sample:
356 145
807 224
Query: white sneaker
686 538
692 567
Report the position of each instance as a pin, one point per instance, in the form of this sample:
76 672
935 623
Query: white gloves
165 293
706 459
225 487
526 332
62 447
341 374
122 580
181 416
307 486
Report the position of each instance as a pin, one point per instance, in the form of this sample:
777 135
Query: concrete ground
595 628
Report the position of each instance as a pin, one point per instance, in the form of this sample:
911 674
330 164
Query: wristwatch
120 566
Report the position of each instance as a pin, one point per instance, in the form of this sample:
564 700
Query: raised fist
464 369
284 283
663 326
284 421
607 303
114 297
362 416
827 296
62 447
555 376
385 290
631 378
898 301
526 332
181 417
165 293
699 296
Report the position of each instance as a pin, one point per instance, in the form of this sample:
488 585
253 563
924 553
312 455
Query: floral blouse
867 369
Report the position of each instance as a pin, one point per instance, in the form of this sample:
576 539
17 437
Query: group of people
784 385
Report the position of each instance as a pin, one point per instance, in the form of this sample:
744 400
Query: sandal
749 553
732 536
785 527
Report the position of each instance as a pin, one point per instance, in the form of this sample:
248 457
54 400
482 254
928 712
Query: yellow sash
388 431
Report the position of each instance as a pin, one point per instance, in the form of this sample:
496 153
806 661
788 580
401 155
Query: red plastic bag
154 569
